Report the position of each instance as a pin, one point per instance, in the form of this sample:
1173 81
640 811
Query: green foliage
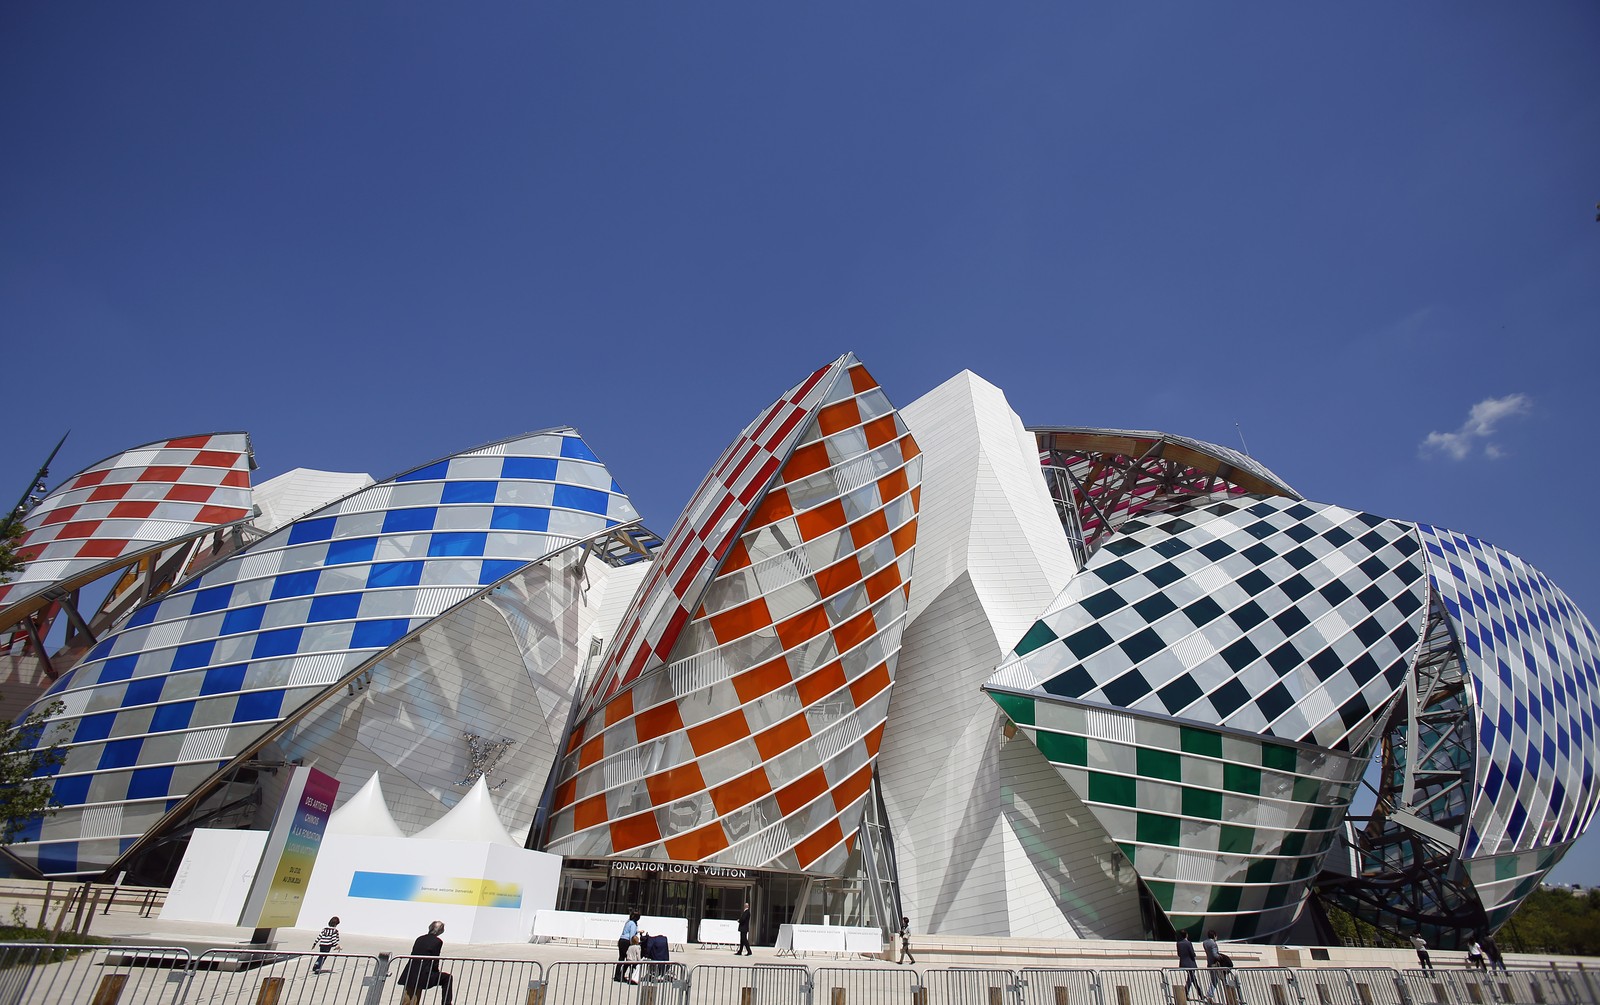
28 956
10 529
1350 930
28 752
1554 921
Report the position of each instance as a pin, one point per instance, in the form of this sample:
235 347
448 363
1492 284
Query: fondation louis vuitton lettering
1009 680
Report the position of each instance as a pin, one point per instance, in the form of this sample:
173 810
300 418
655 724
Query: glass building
1045 682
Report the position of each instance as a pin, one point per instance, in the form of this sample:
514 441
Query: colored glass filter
120 508
749 691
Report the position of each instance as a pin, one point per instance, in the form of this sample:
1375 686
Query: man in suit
744 932
1191 968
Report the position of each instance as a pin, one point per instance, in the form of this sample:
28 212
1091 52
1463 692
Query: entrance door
723 899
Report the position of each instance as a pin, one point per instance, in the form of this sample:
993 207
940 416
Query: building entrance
673 890
723 900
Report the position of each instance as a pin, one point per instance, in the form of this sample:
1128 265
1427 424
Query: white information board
836 939
719 932
604 928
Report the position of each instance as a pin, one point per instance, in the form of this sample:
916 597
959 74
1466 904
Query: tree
28 756
10 561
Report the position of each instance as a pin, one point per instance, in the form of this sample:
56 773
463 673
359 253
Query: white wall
428 867
215 876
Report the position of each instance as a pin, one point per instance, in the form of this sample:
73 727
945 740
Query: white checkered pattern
1289 619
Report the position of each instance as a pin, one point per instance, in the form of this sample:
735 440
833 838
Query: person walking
1213 963
1190 966
420 972
744 932
1423 960
629 929
905 942
326 942
1491 949
1475 958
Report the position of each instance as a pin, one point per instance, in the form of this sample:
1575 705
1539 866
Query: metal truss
1409 876
1100 478
27 666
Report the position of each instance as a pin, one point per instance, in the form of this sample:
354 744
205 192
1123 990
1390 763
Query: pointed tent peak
365 814
472 819
974 380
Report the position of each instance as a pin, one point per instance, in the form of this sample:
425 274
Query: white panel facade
980 840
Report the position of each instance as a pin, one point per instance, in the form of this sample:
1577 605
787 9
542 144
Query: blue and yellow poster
412 889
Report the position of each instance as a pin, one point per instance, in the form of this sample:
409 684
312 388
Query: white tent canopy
473 819
365 814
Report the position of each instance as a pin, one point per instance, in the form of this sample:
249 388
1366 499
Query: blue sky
375 234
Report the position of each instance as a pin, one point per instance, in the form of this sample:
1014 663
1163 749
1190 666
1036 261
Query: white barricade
836 939
717 932
605 928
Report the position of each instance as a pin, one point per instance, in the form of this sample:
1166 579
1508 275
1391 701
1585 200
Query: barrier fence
958 985
862 985
762 984
33 974
1041 986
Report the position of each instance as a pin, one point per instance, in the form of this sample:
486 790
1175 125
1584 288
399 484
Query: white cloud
1482 419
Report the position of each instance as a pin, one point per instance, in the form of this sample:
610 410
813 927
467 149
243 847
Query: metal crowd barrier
472 981
1326 987
862 985
762 984
969 986
1060 986
1258 985
91 975
33 974
1137 987
220 976
1378 986
585 983
1585 984
1514 987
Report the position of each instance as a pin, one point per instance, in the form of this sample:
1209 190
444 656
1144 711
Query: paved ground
130 928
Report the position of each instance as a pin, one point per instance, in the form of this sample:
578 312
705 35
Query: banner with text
291 852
